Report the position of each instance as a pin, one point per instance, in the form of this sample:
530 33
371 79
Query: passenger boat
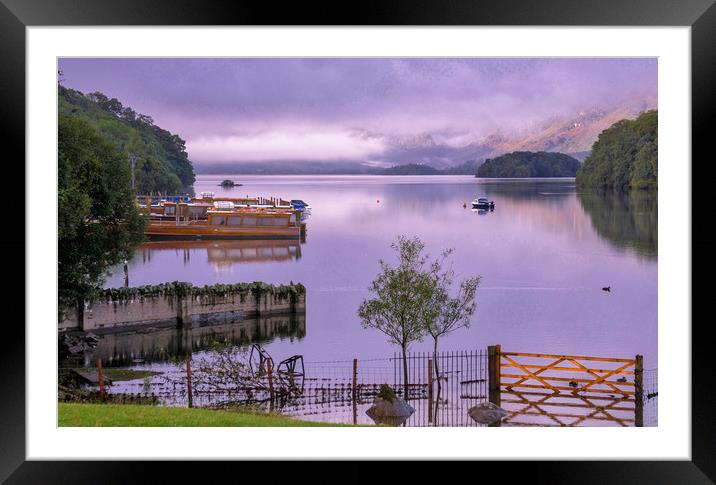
483 203
229 224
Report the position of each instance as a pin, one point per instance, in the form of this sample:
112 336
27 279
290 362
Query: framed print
268 234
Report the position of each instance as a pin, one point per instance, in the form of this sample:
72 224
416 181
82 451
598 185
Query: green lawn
75 414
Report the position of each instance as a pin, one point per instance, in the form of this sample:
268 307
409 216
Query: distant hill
529 164
299 167
411 169
162 164
624 156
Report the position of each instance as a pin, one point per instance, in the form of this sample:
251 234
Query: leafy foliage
413 298
402 295
162 164
98 222
529 164
624 156
386 393
182 289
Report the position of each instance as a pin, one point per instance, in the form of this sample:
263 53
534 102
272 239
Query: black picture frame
700 15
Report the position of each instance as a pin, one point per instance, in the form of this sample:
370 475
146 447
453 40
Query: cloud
316 145
252 108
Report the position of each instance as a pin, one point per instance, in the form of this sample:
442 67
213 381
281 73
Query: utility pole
132 163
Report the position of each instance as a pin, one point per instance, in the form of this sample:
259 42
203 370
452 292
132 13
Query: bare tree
402 294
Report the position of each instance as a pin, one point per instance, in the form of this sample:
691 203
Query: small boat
483 203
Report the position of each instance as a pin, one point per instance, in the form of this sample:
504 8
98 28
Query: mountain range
573 135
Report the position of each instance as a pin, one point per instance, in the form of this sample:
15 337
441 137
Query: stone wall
108 315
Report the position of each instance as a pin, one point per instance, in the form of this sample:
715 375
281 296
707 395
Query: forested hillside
624 156
529 164
161 165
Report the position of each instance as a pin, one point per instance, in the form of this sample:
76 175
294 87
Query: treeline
529 164
625 156
161 163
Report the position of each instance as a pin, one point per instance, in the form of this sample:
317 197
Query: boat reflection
224 254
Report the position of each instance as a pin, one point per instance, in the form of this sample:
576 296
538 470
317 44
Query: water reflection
627 220
544 254
151 345
222 255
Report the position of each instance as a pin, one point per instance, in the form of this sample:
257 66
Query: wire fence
441 388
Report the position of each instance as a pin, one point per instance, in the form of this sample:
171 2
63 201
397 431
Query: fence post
100 379
639 391
493 369
188 380
493 365
355 391
430 390
355 378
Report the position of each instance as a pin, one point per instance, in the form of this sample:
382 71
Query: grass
132 415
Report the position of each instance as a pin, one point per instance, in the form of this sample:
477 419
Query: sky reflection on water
544 253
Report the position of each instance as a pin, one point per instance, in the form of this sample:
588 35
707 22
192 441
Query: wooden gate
567 390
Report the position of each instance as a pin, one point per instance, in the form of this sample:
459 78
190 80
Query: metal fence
441 387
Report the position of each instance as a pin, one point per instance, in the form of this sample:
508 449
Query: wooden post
493 369
269 368
639 391
100 379
430 390
188 381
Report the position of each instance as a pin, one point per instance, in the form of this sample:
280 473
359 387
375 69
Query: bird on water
608 289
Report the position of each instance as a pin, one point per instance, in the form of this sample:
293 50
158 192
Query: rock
391 412
487 413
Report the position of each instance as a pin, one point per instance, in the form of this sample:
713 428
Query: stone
487 413
391 412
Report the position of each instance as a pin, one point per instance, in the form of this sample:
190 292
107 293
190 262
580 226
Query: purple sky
330 109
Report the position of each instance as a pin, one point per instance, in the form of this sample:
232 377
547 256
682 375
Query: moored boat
230 224
483 203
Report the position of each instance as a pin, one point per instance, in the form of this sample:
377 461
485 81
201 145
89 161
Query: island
228 184
625 156
529 164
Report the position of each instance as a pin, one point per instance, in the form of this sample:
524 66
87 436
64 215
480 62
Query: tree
625 156
98 221
403 294
446 313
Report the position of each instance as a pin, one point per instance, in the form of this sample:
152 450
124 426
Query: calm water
544 255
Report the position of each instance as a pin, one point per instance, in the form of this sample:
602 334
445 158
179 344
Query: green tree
529 164
625 156
98 221
448 313
402 297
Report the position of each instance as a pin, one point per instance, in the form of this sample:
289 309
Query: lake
544 254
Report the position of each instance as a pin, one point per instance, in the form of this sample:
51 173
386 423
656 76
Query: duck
608 289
